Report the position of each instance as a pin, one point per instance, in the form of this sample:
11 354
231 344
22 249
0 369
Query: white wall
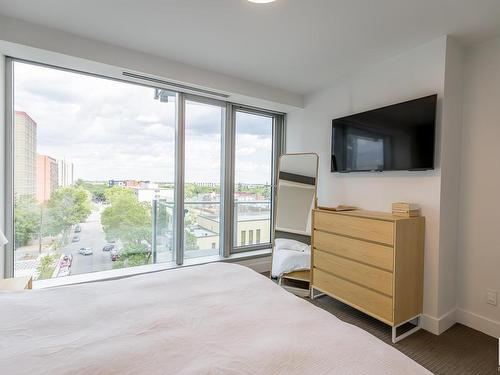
64 49
479 228
416 73
460 199
451 130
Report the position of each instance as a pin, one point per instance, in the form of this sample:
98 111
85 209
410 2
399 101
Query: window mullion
9 169
227 187
179 179
278 149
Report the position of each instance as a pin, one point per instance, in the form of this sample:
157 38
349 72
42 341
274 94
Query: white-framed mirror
295 200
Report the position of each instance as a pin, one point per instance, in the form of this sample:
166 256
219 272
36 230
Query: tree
164 224
26 220
163 216
65 208
192 190
47 266
190 241
128 220
96 189
132 255
259 190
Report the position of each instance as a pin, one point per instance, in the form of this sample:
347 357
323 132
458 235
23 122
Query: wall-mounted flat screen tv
393 138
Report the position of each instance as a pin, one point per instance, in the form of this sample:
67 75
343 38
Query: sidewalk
26 267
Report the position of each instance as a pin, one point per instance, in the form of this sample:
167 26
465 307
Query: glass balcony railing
90 246
201 228
252 223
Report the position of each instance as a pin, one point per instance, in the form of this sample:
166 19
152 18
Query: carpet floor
459 350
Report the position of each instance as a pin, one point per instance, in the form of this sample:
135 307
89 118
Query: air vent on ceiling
175 85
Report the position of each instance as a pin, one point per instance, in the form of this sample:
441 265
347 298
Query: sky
116 130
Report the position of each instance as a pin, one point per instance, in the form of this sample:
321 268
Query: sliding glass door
253 179
204 123
105 174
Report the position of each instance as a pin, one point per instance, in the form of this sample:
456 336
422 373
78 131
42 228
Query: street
91 236
27 258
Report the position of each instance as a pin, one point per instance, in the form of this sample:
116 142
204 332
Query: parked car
78 228
75 239
108 247
65 261
86 251
114 255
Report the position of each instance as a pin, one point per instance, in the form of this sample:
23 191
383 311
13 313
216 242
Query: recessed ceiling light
261 1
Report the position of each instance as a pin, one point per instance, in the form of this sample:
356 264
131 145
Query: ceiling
296 45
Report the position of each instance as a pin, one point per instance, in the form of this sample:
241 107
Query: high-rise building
25 131
66 173
47 177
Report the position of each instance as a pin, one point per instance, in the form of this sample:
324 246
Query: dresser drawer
357 227
370 277
380 256
366 300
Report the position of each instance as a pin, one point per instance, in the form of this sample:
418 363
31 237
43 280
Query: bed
212 319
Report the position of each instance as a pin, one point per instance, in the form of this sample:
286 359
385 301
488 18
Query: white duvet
211 319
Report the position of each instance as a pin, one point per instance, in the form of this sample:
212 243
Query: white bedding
212 319
285 261
290 255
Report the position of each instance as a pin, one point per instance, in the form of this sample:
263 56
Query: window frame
278 148
227 225
180 251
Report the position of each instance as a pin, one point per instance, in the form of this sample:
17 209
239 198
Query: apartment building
47 177
25 159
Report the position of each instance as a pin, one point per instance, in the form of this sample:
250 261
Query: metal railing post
154 216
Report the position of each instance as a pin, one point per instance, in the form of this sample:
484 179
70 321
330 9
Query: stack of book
405 209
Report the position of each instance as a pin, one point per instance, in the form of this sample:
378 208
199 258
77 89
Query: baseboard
467 318
478 322
260 265
429 323
439 325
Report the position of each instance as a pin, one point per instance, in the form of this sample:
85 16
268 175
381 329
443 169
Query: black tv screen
392 138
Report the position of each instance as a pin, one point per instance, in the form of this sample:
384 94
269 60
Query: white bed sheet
211 319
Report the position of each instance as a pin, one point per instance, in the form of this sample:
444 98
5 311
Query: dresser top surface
385 216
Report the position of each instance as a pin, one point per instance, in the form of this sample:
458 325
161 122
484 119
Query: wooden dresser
371 261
